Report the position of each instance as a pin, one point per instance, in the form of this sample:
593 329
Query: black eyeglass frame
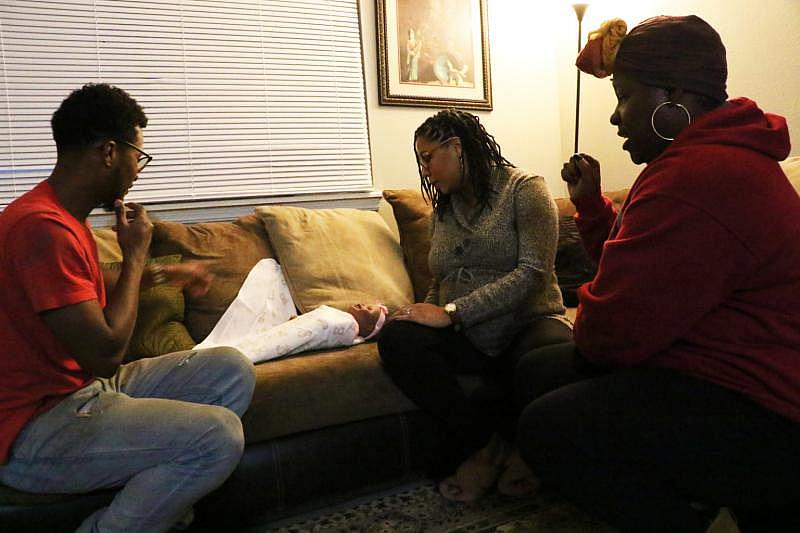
424 159
143 160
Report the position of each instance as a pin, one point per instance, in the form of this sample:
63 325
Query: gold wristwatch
452 312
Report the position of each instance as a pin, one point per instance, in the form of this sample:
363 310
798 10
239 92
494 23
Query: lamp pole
580 9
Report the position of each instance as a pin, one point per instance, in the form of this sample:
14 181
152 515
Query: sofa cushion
320 389
413 216
229 250
159 328
337 257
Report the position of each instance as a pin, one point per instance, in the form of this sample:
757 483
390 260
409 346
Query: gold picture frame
434 53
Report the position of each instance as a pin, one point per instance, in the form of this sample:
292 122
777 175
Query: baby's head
370 318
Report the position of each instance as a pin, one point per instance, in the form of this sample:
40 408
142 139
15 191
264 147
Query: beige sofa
321 425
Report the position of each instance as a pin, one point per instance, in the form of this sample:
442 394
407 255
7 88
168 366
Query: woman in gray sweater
493 297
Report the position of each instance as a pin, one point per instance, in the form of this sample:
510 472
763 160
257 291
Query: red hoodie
701 272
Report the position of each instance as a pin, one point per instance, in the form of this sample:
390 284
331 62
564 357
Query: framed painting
434 53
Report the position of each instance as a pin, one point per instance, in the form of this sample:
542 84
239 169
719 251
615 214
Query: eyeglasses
143 160
424 159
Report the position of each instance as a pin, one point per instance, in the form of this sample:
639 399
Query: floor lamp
580 9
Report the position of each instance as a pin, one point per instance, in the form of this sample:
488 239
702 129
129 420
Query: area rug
418 507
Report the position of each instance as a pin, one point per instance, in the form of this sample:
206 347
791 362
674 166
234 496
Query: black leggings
640 447
424 363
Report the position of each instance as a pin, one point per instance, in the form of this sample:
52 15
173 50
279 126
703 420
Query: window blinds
244 98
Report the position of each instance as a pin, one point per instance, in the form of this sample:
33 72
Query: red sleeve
52 265
595 218
668 265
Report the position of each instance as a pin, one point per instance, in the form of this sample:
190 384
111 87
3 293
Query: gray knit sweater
496 264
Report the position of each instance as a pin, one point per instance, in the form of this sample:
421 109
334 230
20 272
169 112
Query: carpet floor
418 507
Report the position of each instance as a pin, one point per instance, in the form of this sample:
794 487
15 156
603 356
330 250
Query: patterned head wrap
598 56
683 52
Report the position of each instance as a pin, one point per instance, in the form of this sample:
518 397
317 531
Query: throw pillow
171 336
791 167
413 216
228 249
108 249
337 257
158 327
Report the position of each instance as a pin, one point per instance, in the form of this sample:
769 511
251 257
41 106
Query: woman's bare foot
517 479
477 474
472 479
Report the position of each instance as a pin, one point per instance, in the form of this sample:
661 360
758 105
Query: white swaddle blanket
260 324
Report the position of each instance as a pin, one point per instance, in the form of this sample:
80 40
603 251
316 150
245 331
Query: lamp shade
580 9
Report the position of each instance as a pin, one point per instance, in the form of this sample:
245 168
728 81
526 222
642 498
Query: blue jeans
165 429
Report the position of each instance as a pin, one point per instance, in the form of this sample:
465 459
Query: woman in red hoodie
681 391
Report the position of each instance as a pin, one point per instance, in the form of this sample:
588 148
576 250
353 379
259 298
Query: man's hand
192 276
582 174
422 313
134 230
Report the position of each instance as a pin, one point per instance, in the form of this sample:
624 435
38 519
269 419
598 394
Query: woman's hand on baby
423 313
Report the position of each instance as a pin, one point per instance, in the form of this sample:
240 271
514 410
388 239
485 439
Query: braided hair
478 147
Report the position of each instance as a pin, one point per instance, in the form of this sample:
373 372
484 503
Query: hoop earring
653 118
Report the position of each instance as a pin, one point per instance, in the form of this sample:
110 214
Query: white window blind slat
250 97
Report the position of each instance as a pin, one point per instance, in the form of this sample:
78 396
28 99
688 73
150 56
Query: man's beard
108 204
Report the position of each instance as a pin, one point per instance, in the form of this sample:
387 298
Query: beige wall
533 45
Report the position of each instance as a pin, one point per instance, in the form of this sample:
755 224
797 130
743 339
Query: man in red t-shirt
72 418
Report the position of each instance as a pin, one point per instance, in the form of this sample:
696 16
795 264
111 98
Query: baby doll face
366 316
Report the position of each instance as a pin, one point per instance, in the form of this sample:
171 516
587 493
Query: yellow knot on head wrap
598 56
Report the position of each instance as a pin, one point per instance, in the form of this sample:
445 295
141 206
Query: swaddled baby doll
261 321
324 327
